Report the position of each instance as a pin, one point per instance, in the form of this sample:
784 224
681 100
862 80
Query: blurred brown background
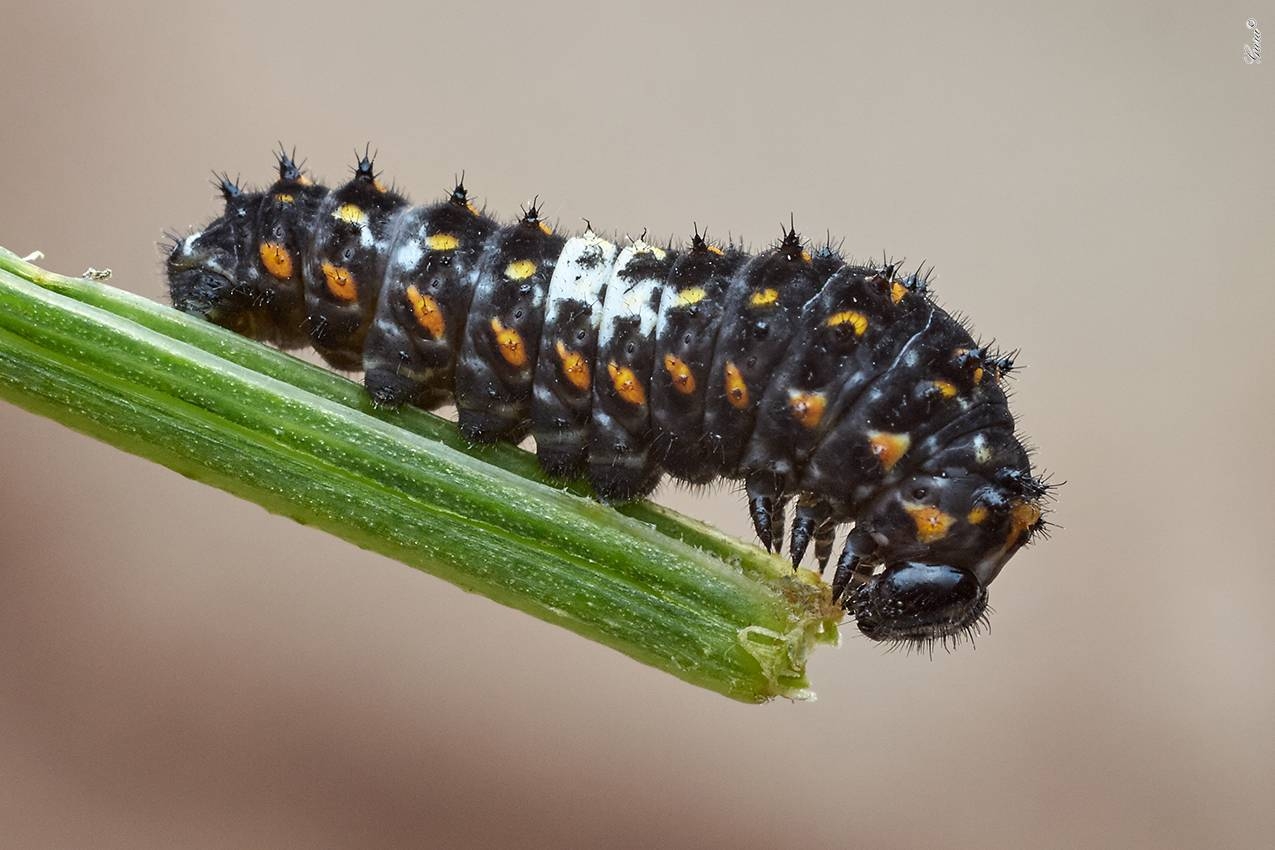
1094 183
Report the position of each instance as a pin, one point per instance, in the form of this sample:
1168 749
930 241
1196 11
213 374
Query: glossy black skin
493 396
934 520
621 464
403 362
338 327
219 275
919 603
562 411
836 363
755 338
285 216
689 333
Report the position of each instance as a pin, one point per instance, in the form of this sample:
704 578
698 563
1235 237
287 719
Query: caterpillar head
943 538
203 268
242 271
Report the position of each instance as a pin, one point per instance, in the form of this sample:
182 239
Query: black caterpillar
841 386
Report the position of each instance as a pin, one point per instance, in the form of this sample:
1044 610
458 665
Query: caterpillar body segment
411 348
562 406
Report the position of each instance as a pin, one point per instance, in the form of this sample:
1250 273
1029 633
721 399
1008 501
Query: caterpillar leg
814 517
853 564
825 531
779 522
766 503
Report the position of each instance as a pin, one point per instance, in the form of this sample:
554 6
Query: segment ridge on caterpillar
837 388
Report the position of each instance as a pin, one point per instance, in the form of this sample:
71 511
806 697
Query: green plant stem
306 443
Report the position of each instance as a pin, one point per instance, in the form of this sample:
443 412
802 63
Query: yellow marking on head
284 198
693 295
713 249
806 258
378 186
303 180
888 448
978 374
473 209
931 523
510 345
574 367
626 384
897 291
807 408
853 318
520 270
977 515
763 297
341 282
427 312
736 389
350 214
442 242
276 260
545 229
1022 516
683 377
946 388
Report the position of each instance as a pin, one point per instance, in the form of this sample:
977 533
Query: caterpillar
841 388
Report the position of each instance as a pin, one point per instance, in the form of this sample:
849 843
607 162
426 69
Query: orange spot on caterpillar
427 312
947 389
276 260
888 448
1022 516
626 384
510 345
341 282
931 523
977 515
736 389
681 374
574 367
807 408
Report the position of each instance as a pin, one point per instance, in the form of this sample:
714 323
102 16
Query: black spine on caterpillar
841 386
